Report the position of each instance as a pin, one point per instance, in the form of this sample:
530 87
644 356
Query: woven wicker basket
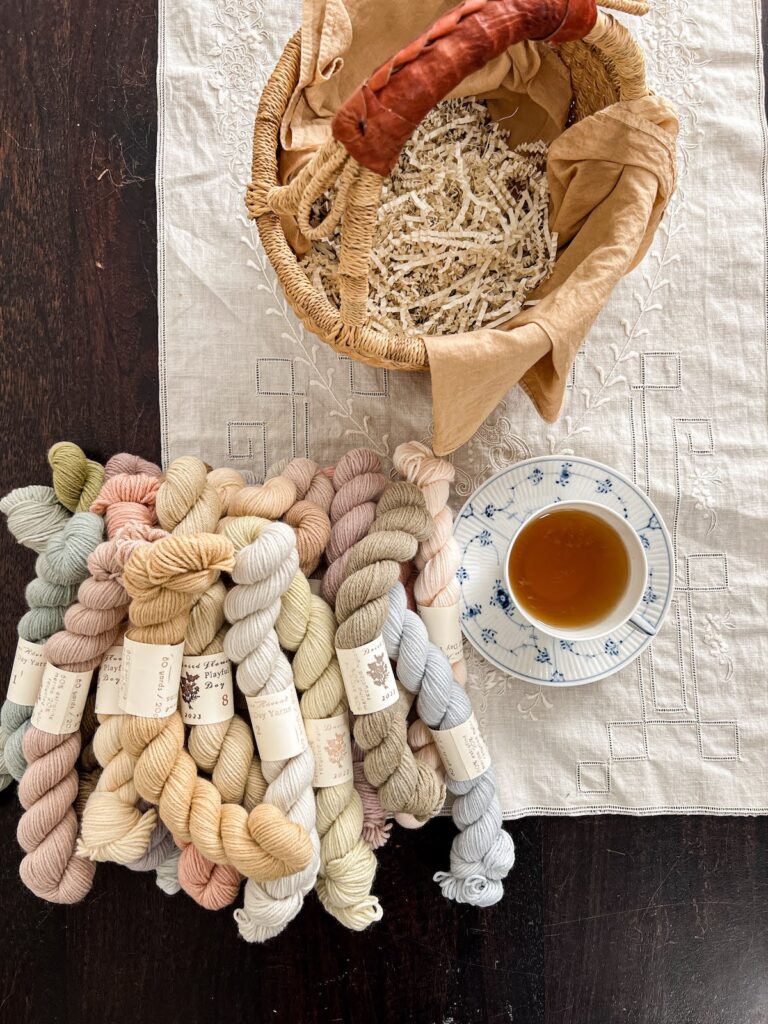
605 64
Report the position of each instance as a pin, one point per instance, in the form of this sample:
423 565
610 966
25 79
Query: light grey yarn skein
60 569
263 571
483 853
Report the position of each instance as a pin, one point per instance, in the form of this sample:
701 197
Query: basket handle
380 116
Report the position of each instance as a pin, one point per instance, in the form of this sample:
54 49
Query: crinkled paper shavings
463 234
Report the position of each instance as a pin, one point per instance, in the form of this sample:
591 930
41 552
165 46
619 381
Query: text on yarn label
277 724
109 684
61 700
151 674
443 630
462 750
368 677
207 696
332 746
27 673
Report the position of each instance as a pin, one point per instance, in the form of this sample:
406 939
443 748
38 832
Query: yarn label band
315 586
443 630
462 750
110 682
27 673
277 724
61 700
151 674
207 695
368 677
332 746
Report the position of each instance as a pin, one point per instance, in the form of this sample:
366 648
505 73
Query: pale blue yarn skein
35 515
60 569
483 853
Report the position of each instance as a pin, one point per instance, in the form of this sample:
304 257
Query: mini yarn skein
187 503
266 562
358 484
35 516
438 560
163 581
483 853
306 626
373 568
76 479
48 789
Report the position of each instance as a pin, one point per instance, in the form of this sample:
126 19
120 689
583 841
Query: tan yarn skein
164 581
309 515
362 606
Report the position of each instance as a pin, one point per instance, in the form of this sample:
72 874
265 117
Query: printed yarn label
151 674
27 673
462 750
277 724
332 746
443 630
61 700
207 695
110 682
315 586
368 677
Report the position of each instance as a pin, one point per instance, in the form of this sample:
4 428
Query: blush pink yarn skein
358 484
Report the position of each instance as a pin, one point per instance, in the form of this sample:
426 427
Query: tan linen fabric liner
611 177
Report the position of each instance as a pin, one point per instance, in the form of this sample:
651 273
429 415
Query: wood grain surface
608 919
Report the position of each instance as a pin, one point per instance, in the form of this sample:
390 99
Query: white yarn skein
263 571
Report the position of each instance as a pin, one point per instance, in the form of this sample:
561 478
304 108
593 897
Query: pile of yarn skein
241 688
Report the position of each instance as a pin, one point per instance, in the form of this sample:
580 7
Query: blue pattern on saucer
484 530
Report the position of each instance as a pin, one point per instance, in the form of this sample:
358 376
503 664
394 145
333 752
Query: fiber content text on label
207 695
368 677
61 700
109 683
332 746
151 674
277 725
27 673
462 750
443 630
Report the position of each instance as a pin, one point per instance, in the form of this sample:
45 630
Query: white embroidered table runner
670 389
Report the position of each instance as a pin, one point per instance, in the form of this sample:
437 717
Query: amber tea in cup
577 569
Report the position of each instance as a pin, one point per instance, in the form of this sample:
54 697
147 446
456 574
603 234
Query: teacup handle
642 624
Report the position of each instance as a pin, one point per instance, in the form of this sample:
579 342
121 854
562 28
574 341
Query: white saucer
484 529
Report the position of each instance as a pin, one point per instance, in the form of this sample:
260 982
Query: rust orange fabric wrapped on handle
379 117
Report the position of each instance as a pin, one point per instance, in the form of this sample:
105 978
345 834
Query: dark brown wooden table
605 920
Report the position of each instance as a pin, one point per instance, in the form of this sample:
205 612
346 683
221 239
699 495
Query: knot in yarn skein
76 479
34 515
132 465
483 853
127 499
186 502
309 515
226 482
362 606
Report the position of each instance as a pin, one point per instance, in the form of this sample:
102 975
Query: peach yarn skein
309 515
48 827
164 581
437 560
